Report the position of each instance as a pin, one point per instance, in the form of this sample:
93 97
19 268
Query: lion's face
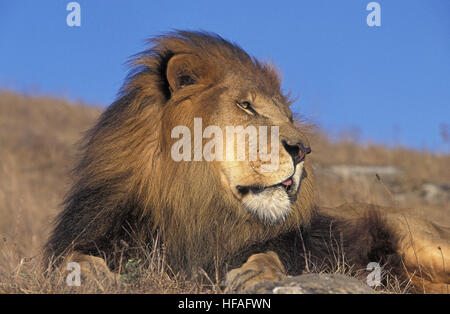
267 183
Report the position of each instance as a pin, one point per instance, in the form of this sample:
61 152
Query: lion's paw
93 270
262 267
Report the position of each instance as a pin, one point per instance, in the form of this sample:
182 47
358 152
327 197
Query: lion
224 216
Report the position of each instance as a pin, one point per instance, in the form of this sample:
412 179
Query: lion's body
129 183
129 188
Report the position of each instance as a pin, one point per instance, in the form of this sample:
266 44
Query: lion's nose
297 151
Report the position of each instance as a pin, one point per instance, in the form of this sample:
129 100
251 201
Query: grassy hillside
37 149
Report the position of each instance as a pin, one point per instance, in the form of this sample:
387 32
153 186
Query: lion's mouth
272 203
287 185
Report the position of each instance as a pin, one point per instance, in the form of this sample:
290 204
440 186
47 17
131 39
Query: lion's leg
373 232
92 269
425 251
261 267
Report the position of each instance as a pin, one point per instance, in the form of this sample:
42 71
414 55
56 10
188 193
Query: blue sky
391 82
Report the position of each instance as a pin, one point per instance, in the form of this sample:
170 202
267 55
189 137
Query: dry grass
37 149
418 167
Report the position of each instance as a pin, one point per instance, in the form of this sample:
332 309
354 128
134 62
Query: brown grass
37 149
418 167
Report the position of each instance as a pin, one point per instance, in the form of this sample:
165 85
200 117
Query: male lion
216 214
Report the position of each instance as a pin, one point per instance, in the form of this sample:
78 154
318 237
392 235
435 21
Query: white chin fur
272 205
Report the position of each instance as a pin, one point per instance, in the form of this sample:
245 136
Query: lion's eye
246 106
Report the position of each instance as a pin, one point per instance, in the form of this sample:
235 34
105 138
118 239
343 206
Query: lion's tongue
288 182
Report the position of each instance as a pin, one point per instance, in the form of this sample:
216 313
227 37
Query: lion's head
135 173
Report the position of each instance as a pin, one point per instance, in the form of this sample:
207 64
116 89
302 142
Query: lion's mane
128 190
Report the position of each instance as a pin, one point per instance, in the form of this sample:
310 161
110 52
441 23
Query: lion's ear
182 70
